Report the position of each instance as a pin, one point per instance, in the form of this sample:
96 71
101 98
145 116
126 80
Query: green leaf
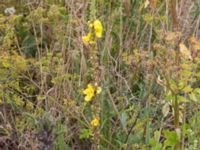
165 109
29 46
154 142
171 138
124 118
187 89
193 97
182 99
147 140
85 133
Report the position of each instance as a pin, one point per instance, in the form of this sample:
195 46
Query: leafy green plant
100 74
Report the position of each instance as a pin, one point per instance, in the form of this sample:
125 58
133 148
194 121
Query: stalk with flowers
93 89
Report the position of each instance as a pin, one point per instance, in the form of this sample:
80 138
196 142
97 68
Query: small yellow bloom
98 28
95 122
87 38
89 93
99 89
91 25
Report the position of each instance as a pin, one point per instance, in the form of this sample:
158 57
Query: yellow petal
85 91
90 87
89 92
87 38
98 34
98 28
87 98
95 122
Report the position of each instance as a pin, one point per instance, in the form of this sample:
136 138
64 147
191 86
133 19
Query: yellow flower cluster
90 92
88 38
95 122
96 31
97 28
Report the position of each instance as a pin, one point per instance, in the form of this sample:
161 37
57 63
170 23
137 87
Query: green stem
176 113
176 118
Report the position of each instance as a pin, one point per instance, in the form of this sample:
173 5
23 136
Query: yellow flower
89 93
87 38
91 25
98 88
95 122
98 28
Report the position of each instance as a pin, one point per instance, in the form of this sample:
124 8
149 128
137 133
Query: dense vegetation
99 74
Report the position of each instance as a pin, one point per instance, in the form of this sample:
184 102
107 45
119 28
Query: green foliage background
148 71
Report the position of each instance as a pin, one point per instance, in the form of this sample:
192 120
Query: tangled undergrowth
99 74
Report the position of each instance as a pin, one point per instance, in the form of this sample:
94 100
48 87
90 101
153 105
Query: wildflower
89 93
95 122
98 89
91 24
98 28
87 38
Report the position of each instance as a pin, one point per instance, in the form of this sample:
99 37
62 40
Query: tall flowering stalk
95 33
92 90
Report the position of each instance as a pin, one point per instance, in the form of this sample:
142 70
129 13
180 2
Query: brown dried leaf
165 110
185 51
195 43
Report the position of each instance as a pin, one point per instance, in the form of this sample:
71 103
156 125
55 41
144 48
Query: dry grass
146 63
